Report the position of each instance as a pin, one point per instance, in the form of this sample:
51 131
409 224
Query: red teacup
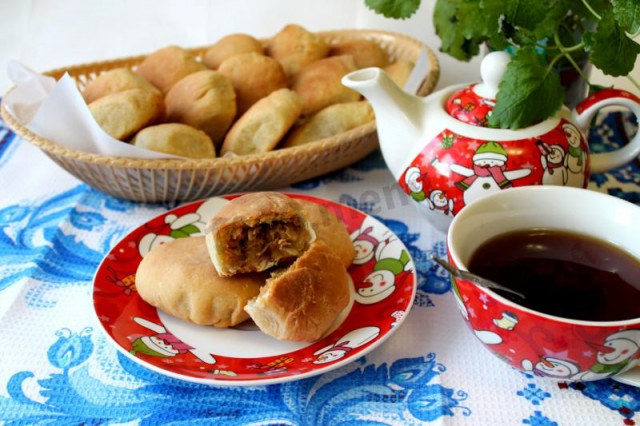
536 342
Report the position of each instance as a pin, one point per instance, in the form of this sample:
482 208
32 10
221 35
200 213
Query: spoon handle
466 275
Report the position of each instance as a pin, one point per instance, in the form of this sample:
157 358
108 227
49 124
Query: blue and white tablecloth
57 367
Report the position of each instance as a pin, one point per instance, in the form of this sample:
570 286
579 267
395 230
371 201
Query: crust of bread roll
263 126
178 278
366 53
114 81
257 231
330 121
253 76
228 46
330 231
399 71
320 84
295 48
122 114
301 303
176 139
204 100
165 67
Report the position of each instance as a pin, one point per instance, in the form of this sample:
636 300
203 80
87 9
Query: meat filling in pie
263 244
254 232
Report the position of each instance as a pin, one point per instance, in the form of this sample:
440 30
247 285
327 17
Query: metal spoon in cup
466 275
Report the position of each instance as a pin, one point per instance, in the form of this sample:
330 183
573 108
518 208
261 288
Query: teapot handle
584 112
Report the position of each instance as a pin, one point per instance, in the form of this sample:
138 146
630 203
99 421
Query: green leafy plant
544 36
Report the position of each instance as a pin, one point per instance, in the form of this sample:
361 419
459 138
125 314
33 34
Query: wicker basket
184 180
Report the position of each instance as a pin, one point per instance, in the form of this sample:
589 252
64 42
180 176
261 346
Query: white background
47 34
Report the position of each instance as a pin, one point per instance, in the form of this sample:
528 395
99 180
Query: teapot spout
398 114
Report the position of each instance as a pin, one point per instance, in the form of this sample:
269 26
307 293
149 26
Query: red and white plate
384 285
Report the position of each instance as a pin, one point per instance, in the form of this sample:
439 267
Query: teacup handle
584 112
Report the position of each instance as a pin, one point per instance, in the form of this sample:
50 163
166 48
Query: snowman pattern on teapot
453 171
487 174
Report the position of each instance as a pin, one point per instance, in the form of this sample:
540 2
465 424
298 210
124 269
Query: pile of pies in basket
243 97
279 261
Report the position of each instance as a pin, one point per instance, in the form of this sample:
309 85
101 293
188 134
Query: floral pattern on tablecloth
59 368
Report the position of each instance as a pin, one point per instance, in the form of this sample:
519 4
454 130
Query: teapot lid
474 104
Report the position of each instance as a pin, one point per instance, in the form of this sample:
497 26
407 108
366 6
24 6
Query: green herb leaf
451 34
600 6
627 13
463 25
493 11
475 21
610 49
470 19
527 13
553 17
528 93
579 8
396 9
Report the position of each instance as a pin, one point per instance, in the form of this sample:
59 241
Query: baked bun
231 45
331 121
122 114
257 231
204 100
366 53
301 303
295 47
319 84
399 71
165 67
330 231
253 76
114 81
178 278
176 139
263 126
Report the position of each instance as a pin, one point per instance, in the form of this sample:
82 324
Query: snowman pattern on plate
276 366
163 344
126 282
345 344
388 261
181 350
183 226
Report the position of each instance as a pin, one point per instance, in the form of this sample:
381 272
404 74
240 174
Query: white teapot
443 155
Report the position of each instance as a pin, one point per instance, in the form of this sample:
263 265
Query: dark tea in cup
562 273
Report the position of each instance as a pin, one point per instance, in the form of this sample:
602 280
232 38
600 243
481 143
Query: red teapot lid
474 103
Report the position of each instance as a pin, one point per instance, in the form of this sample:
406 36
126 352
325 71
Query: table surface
58 366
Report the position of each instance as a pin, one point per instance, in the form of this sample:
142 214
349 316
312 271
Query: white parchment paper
56 111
